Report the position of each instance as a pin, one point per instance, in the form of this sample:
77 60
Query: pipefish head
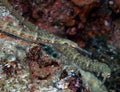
106 72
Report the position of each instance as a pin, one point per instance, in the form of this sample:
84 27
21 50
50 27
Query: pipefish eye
106 74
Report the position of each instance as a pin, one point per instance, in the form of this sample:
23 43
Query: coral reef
54 63
41 66
13 76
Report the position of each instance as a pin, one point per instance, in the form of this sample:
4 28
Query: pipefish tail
42 36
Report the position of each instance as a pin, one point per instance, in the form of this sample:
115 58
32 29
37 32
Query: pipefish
39 36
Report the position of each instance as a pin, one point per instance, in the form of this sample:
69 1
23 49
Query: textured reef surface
59 45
